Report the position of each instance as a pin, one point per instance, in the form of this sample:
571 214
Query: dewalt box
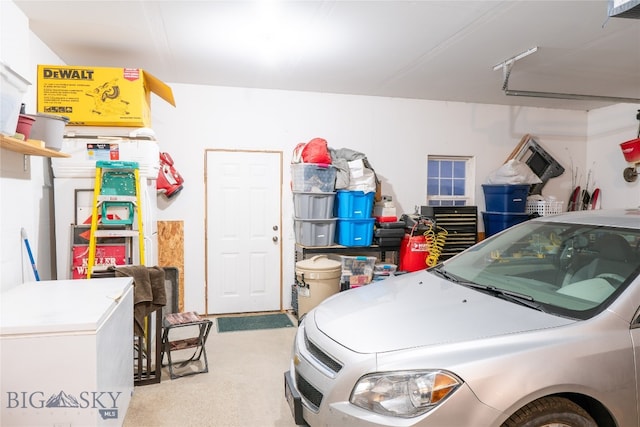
99 96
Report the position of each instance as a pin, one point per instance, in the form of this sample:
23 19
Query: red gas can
414 251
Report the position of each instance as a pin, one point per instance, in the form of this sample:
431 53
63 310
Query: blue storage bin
353 204
354 231
495 222
506 197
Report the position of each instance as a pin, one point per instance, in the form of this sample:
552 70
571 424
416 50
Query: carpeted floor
243 388
253 322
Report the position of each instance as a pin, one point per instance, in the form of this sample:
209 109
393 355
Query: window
450 181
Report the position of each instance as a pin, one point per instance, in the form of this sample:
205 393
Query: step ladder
116 188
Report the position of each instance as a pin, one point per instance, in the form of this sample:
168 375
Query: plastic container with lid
354 231
315 232
357 270
353 204
317 278
313 205
12 88
313 177
506 197
382 271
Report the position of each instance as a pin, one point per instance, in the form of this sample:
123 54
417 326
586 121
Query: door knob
275 228
275 239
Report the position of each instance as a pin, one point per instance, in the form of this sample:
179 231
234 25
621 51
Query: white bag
513 172
361 178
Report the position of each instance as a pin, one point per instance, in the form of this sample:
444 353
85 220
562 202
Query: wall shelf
29 146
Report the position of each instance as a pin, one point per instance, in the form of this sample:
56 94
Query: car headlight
404 394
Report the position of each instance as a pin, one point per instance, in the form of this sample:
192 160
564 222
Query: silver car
538 325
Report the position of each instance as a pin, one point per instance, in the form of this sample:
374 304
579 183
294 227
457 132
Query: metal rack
381 252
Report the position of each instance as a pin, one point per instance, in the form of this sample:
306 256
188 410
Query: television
540 161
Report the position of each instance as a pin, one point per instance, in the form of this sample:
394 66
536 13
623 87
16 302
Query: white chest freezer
66 352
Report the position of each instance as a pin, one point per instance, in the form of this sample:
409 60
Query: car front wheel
551 412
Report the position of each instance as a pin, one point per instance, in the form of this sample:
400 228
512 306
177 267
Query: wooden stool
197 342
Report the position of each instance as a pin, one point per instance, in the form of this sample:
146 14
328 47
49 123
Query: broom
33 263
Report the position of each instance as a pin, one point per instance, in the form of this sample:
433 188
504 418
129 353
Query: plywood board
171 251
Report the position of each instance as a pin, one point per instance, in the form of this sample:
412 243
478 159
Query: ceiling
436 50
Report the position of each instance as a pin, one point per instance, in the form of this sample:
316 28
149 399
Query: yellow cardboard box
99 96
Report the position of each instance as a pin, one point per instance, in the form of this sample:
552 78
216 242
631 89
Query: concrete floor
243 388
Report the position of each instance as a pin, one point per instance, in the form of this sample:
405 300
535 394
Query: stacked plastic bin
313 203
506 206
354 225
383 271
356 271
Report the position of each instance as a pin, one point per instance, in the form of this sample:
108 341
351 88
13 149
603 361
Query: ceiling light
270 32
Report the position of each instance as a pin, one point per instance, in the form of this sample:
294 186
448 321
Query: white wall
608 127
25 186
395 134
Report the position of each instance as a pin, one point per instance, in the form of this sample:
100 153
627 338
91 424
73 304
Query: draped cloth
149 292
340 159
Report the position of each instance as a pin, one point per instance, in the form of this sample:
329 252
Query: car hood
421 309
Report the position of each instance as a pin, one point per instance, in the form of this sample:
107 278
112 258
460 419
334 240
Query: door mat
249 323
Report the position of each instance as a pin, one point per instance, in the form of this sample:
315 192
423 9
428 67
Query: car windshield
567 269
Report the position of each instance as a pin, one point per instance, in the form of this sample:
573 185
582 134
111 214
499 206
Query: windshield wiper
512 296
438 269
450 277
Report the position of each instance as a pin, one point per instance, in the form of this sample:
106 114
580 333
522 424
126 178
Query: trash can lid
319 263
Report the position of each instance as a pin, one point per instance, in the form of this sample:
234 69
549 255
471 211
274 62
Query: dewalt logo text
67 74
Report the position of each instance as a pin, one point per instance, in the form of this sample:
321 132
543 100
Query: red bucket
24 125
631 150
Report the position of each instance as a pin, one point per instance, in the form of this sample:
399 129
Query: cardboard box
99 96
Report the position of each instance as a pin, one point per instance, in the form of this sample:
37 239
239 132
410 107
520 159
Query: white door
243 231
